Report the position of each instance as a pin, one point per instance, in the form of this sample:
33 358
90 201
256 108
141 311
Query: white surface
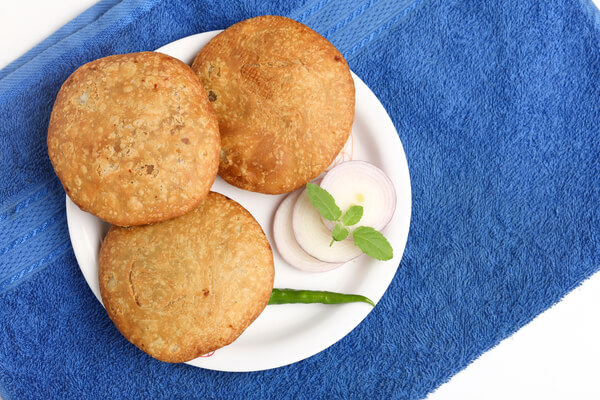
25 23
285 334
554 357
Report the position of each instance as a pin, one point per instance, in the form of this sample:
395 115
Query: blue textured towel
497 105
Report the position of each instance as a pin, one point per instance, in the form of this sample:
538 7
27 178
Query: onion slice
361 183
314 237
286 242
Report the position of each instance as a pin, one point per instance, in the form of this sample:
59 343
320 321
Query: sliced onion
286 242
361 183
314 237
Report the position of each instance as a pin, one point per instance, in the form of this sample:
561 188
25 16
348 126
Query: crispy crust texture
284 98
190 285
133 138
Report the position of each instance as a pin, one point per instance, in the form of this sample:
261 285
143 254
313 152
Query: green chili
289 296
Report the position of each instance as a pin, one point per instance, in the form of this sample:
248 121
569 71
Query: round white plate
284 334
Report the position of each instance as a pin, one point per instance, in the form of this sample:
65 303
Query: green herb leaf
373 243
323 201
353 215
339 233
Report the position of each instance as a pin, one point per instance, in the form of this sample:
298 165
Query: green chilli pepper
290 296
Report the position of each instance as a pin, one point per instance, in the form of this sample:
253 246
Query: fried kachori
284 98
133 138
184 287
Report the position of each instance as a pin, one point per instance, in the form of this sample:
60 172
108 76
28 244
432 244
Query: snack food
284 98
184 287
133 138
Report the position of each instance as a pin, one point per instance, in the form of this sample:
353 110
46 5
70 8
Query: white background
556 356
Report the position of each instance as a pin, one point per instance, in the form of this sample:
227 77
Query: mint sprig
353 215
370 241
339 233
323 201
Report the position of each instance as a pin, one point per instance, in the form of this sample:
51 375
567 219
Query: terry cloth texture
497 106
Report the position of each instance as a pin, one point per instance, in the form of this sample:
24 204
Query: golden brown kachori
184 287
284 98
133 138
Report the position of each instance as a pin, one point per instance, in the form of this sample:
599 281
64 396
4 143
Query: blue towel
497 105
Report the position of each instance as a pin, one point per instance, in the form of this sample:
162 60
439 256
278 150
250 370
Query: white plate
284 334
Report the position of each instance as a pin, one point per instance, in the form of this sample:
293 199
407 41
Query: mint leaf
323 202
373 243
353 215
339 233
